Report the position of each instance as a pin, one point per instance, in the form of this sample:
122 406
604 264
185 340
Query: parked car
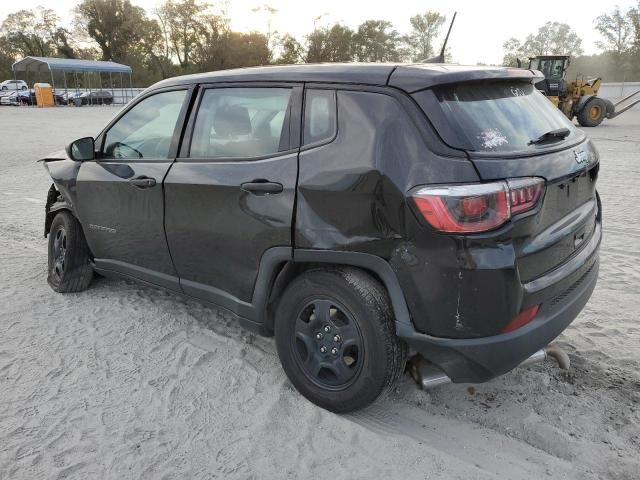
19 98
99 97
13 85
353 211
62 97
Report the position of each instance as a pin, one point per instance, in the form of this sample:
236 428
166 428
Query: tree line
619 33
190 36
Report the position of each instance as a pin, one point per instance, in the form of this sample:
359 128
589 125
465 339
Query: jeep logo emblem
582 157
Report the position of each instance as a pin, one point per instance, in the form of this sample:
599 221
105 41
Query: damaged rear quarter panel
352 196
352 192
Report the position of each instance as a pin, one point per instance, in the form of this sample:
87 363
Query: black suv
353 211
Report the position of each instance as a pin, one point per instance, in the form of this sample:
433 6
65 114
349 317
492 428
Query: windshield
550 67
492 117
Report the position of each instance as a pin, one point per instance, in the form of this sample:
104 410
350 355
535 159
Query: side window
241 123
145 131
319 115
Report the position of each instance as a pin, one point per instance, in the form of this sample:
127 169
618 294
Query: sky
480 29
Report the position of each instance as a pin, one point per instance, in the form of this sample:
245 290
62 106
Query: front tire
335 336
592 113
69 269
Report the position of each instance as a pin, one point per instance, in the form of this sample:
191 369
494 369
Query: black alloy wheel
328 344
69 265
335 336
59 253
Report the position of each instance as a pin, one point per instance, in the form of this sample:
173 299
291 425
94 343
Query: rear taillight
477 207
524 193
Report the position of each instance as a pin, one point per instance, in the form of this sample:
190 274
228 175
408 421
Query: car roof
408 77
360 73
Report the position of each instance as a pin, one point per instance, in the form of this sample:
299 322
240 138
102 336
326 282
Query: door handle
143 182
262 187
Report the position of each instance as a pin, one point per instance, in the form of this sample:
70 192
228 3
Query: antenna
440 58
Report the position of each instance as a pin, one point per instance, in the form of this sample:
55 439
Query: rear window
319 116
492 117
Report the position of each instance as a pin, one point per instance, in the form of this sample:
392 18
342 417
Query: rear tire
593 113
335 336
69 269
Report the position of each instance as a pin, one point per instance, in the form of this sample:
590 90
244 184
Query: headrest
232 120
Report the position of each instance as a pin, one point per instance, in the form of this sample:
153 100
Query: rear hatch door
499 124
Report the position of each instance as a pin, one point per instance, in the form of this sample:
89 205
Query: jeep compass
357 212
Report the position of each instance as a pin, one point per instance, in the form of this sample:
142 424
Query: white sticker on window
492 138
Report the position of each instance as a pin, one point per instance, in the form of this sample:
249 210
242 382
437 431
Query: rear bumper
481 359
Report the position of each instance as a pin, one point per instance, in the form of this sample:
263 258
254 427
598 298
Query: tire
345 309
593 113
69 269
4 88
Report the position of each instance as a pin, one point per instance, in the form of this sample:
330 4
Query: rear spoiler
413 78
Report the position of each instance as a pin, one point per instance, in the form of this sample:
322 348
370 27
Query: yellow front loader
576 98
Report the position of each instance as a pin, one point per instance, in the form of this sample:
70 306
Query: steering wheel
121 150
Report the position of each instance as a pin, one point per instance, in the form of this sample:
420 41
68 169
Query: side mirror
82 149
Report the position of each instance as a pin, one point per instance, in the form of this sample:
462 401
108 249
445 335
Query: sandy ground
126 381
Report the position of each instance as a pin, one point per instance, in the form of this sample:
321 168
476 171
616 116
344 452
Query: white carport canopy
69 65
75 66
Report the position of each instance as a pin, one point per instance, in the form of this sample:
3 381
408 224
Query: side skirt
252 315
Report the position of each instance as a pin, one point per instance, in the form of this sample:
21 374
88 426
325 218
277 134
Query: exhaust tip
559 355
428 376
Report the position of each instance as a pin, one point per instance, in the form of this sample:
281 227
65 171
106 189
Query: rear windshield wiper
559 134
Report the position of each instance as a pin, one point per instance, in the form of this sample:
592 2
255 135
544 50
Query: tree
290 50
317 45
31 32
513 52
424 28
634 18
376 41
270 34
6 58
335 44
148 54
62 41
182 23
246 50
210 47
115 25
633 14
616 30
552 38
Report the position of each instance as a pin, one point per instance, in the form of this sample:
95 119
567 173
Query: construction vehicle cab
576 98
554 69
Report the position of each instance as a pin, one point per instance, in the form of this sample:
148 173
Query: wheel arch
284 270
55 203
583 102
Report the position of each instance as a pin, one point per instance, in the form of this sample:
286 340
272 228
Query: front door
230 197
120 198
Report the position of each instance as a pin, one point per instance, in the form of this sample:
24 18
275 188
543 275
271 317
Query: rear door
230 194
120 198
